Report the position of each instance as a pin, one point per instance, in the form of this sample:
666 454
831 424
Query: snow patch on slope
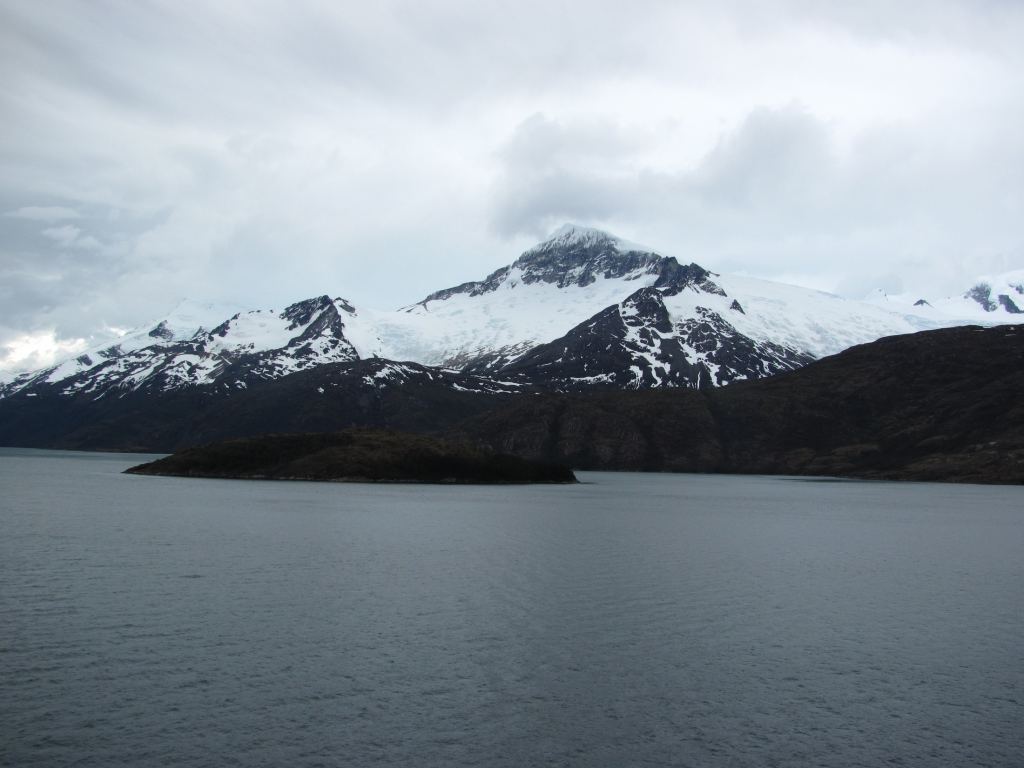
512 318
799 318
990 300
256 331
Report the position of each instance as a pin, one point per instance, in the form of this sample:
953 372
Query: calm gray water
633 620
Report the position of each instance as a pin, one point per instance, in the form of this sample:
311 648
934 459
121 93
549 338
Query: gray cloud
554 172
780 195
260 153
43 213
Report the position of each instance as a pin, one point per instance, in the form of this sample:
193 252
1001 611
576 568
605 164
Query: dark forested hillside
937 405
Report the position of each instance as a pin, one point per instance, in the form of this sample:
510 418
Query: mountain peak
574 232
570 234
578 256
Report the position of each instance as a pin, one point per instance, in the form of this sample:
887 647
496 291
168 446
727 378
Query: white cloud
782 193
37 350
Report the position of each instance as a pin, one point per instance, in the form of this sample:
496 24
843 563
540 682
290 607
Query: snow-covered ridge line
187 348
583 307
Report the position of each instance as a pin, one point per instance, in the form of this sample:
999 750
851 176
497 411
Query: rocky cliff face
637 345
991 300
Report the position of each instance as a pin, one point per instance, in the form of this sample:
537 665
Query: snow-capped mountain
711 329
187 348
581 309
996 299
636 344
586 308
187 321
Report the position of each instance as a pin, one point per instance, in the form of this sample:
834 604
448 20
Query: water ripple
631 621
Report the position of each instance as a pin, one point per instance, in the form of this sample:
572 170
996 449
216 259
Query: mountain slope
582 309
936 405
580 272
636 345
329 397
248 346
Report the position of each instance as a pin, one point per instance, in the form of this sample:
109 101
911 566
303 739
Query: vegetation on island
354 455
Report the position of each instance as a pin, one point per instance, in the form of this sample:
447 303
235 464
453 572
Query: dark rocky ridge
982 294
354 455
634 345
941 405
366 393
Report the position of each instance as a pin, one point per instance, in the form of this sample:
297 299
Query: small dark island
354 455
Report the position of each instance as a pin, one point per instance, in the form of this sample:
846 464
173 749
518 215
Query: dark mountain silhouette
945 405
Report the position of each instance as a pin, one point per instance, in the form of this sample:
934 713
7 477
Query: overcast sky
260 153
